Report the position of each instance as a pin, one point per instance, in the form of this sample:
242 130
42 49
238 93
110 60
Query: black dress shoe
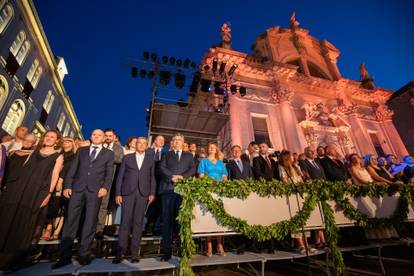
61 263
165 258
118 259
135 259
86 260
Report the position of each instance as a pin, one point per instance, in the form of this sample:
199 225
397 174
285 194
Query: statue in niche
226 36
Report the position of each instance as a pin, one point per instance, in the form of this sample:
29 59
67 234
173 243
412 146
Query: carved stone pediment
383 113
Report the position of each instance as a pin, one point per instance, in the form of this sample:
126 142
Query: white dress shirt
12 145
179 153
313 163
140 158
98 149
109 146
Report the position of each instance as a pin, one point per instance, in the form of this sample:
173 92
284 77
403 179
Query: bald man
87 182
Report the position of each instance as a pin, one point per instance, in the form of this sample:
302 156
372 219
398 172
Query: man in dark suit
175 165
135 188
252 152
264 166
334 169
154 210
87 182
237 168
311 166
108 202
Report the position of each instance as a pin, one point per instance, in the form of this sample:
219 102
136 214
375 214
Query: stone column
294 137
394 137
362 141
235 121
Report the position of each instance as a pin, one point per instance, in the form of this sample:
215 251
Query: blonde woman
290 173
214 168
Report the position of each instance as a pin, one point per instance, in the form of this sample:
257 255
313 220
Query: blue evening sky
100 40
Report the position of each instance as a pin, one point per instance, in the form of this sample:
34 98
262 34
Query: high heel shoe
209 254
221 251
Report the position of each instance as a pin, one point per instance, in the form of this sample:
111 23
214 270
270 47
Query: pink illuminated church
289 93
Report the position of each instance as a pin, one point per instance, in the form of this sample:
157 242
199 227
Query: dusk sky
101 40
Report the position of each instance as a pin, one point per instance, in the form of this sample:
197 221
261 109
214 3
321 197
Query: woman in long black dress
22 202
57 206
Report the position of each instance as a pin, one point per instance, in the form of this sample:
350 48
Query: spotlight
172 60
142 73
164 59
205 85
146 55
206 67
215 62
165 77
219 108
154 57
179 62
193 65
233 89
134 72
151 74
186 63
232 69
222 67
242 91
179 80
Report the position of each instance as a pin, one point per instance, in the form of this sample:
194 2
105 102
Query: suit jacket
235 173
118 153
310 170
84 174
334 171
156 158
130 178
262 170
170 166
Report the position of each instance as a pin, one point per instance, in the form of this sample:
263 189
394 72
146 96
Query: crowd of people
67 188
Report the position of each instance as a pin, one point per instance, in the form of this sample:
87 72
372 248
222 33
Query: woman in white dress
361 176
291 173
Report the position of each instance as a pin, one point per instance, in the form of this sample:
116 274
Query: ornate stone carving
280 94
317 113
383 113
343 109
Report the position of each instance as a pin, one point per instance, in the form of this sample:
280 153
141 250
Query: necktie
336 162
177 154
239 164
314 164
268 161
93 153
